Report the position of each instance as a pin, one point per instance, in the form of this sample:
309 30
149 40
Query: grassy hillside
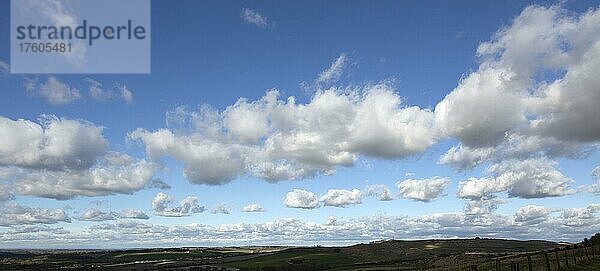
393 254
384 255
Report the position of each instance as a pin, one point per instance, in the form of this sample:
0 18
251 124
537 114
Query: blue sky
359 53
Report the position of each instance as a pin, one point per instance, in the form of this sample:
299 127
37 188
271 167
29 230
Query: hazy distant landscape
447 254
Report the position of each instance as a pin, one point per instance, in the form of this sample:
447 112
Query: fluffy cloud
581 217
205 161
380 191
501 111
474 188
95 214
495 98
482 206
253 17
52 90
514 146
481 109
164 205
62 158
133 214
571 224
53 144
531 178
506 110
108 177
532 214
253 208
299 198
280 140
15 214
424 190
341 197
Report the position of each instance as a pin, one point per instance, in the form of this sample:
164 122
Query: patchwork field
452 254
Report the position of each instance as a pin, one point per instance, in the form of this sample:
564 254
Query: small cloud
329 76
529 178
380 191
253 208
165 205
482 206
52 90
126 94
341 197
133 214
303 199
424 190
98 93
95 214
253 17
335 70
221 209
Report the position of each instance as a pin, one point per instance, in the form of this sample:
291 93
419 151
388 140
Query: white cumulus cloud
281 140
532 214
424 190
54 143
132 214
531 178
299 198
380 191
95 214
164 205
341 197
250 208
15 214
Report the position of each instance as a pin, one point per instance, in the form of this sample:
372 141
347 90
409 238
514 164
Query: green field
317 260
432 255
585 266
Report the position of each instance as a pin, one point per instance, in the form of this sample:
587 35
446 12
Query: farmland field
443 254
